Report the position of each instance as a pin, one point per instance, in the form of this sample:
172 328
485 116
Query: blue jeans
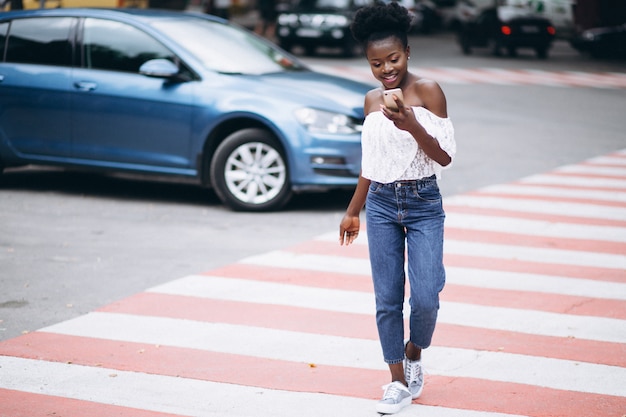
411 212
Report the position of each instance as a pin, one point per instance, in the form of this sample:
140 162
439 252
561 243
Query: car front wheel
349 48
286 45
496 47
465 44
249 172
542 52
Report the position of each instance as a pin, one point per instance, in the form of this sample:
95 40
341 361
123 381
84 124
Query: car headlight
288 19
337 21
320 121
588 36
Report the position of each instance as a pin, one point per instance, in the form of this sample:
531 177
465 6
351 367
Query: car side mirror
159 68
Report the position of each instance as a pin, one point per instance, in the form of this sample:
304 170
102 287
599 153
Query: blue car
171 93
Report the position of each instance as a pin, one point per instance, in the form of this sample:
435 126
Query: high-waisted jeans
405 217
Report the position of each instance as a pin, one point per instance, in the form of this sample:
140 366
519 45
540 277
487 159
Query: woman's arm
351 224
434 101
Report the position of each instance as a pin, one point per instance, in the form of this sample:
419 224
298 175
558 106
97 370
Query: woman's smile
389 80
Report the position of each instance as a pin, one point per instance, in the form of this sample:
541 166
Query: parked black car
424 14
501 30
315 23
602 42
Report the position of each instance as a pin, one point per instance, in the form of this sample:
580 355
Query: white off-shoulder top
390 154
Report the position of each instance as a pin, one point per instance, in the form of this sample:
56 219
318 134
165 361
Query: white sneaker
414 375
395 398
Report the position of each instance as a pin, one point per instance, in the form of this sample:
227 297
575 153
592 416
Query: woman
403 155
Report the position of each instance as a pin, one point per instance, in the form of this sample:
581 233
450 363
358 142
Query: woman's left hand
404 118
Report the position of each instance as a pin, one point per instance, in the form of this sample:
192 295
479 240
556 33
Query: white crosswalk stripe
181 396
533 206
535 227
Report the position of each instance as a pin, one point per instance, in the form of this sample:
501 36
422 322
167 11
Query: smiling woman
405 146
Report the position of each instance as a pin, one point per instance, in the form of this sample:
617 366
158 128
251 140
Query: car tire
541 52
348 49
287 46
466 48
495 47
249 171
310 50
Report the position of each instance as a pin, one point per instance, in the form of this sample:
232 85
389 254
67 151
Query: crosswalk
532 323
495 76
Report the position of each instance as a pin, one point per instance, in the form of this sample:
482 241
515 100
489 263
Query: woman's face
388 60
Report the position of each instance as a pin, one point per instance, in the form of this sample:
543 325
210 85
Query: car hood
318 90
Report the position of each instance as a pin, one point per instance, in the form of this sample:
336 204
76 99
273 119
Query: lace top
390 154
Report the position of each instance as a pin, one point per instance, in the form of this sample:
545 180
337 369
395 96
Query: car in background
174 94
319 23
602 42
430 16
463 12
424 14
558 12
506 28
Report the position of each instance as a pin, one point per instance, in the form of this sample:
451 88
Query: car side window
4 29
116 46
41 40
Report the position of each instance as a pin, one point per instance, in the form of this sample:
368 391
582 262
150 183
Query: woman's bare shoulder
373 98
431 94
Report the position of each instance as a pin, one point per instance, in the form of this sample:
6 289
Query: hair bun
389 18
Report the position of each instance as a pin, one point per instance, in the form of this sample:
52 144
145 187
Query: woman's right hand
349 229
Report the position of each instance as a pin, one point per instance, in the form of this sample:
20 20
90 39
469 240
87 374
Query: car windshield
226 48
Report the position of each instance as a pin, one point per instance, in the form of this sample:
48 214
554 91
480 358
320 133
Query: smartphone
390 103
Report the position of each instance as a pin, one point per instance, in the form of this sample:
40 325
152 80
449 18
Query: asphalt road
71 242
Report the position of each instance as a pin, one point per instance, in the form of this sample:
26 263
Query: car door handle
1 78
85 85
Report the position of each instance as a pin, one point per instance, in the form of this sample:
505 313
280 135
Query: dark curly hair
380 21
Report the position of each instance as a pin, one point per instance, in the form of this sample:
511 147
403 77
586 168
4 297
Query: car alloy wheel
249 171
